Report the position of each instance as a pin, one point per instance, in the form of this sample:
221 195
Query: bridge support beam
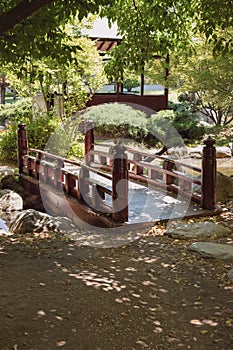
120 184
208 200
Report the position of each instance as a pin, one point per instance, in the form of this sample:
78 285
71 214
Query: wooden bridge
117 184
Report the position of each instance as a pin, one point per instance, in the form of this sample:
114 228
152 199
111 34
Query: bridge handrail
146 154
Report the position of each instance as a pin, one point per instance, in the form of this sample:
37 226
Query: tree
66 72
158 27
24 23
153 27
214 19
3 85
206 82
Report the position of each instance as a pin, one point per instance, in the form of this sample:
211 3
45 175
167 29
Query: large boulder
10 200
33 221
196 152
223 152
224 188
5 171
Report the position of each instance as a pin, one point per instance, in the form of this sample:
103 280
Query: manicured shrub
117 120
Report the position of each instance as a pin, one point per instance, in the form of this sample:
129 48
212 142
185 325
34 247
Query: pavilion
106 39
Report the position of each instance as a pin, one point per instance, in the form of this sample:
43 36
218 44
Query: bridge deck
148 204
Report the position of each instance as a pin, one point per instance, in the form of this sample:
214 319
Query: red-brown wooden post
89 141
166 90
37 171
22 145
167 178
138 169
58 176
120 184
209 175
88 128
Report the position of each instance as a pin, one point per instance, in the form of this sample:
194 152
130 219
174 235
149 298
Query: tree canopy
27 26
152 26
160 27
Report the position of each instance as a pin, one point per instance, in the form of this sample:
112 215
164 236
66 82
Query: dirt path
152 294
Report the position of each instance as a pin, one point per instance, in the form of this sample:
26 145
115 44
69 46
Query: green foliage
29 27
167 127
117 120
65 68
161 130
43 131
206 82
129 84
186 122
16 111
38 131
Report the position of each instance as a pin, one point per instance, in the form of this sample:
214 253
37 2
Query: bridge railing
77 179
159 171
102 180
196 183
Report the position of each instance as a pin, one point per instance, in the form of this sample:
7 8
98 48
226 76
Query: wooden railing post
89 141
138 169
58 177
168 165
86 127
22 145
120 184
209 175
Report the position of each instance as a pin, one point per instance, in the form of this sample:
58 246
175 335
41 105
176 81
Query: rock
230 275
198 230
32 221
5 171
178 152
224 188
212 250
230 145
11 182
223 152
10 201
196 152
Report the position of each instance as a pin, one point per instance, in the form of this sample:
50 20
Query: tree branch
20 12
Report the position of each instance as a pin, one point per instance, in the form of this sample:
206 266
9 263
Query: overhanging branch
20 12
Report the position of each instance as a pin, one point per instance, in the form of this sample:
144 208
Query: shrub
186 122
116 120
39 130
171 127
21 109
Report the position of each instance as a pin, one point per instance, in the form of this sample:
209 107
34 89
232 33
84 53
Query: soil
150 294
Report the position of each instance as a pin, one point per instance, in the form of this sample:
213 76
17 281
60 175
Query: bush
171 127
19 110
186 122
117 120
39 131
